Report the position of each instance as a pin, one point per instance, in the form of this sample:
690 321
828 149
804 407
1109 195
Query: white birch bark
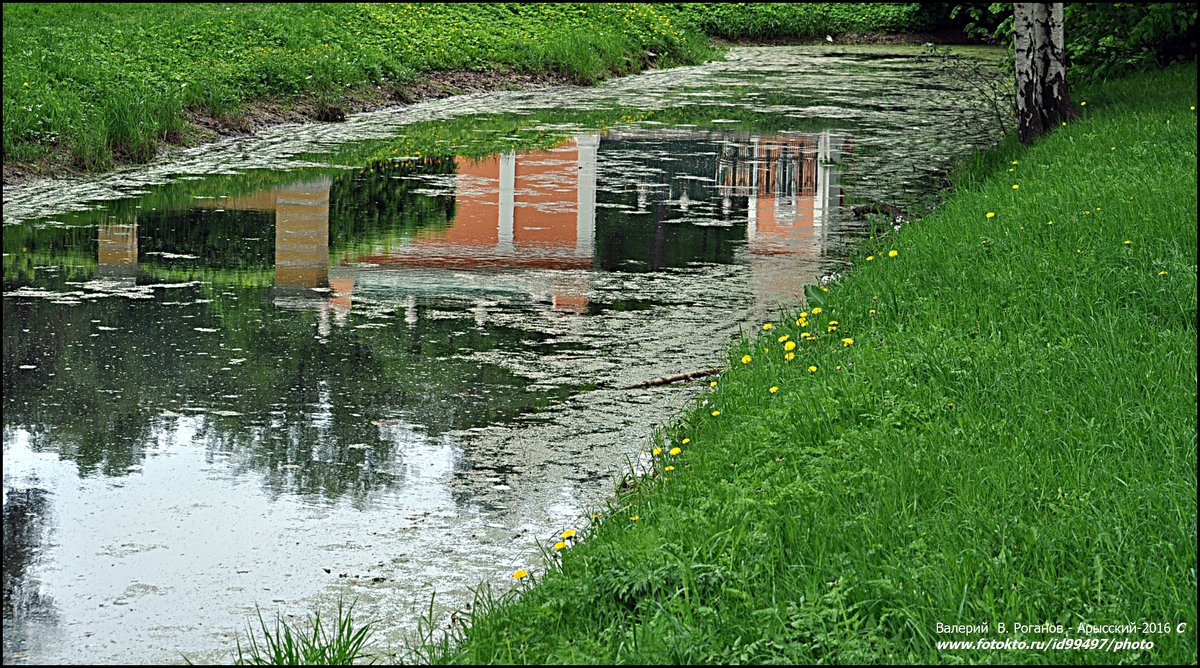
1040 67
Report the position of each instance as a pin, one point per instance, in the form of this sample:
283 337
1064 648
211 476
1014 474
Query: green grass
1010 438
122 91
95 84
291 646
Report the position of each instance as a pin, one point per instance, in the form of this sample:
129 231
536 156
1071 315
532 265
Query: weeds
291 646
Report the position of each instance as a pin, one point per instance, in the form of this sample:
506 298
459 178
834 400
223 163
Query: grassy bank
999 428
90 85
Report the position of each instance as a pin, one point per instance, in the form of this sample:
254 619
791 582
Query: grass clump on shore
991 420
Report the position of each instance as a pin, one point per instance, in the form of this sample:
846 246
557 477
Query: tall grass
1000 428
98 82
285 645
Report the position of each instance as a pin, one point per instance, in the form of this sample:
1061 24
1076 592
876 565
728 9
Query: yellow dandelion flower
675 451
1064 124
559 545
893 253
790 356
767 326
746 359
812 369
1083 104
1016 186
789 346
1162 273
716 413
833 322
838 367
1016 162
668 469
991 214
773 389
634 518
686 441
831 328
712 383
870 258
520 574
817 311
1049 222
656 451
871 312
595 516
1127 242
569 533
783 338
847 342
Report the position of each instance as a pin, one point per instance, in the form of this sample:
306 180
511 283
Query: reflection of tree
25 532
107 409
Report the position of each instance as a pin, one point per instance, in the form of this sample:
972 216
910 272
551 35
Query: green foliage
1009 436
802 20
1106 40
288 646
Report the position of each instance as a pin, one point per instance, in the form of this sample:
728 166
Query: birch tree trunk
1041 68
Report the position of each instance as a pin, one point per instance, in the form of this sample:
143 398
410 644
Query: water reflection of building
531 210
117 250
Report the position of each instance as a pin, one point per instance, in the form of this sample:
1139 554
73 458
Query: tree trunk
1041 68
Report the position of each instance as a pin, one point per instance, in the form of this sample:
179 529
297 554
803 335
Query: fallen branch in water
667 380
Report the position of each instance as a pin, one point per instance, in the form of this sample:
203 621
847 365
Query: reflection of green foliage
99 399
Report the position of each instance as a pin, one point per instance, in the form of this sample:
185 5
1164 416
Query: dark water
381 359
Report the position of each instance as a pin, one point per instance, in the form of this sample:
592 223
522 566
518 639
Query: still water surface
380 359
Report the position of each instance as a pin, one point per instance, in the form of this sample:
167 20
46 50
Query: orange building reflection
117 250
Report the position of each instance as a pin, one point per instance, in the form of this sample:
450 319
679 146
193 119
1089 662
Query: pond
390 357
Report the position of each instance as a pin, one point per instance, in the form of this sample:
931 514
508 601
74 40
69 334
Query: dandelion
746 359
712 383
595 516
1112 148
871 312
656 451
569 533
950 404
790 356
1162 273
831 328
675 451
870 258
634 518
847 342
774 389
812 369
1083 104
1016 186
1127 242
1064 124
767 326
668 469
783 338
1049 222
817 311
838 367
559 545
789 346
893 253
716 413
833 322
991 214
804 314
1016 162
520 574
